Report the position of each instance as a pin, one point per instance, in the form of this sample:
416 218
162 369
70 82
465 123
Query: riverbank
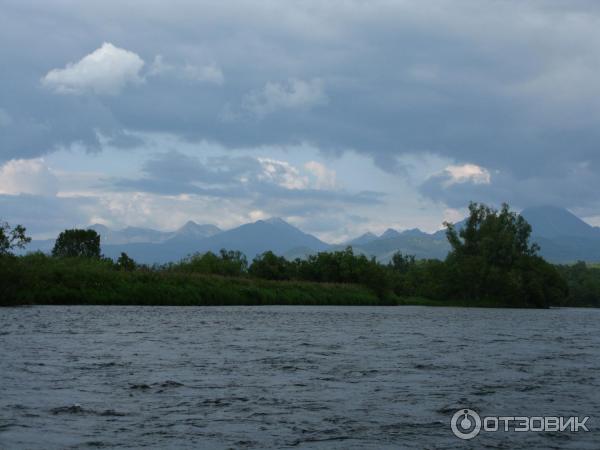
65 282
84 284
38 279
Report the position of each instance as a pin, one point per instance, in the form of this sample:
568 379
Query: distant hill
133 235
409 242
562 236
251 239
389 233
362 239
193 231
143 242
414 232
129 235
552 222
254 238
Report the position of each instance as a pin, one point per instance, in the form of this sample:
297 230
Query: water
291 377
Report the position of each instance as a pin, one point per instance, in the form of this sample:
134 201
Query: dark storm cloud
184 168
510 86
577 188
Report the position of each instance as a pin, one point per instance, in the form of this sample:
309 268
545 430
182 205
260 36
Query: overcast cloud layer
340 116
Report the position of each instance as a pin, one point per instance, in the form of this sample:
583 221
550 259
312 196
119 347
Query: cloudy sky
338 116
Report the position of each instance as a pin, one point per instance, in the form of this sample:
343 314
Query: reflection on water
291 377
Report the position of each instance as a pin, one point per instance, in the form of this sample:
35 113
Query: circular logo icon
465 424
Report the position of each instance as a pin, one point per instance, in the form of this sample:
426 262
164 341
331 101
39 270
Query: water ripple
290 377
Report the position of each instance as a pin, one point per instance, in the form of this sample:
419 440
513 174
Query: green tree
500 237
345 267
584 284
76 243
233 263
228 263
126 263
493 259
12 238
269 266
401 263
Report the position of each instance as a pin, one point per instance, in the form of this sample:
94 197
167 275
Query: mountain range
562 236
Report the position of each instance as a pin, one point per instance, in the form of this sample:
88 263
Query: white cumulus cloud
104 71
467 173
27 176
282 173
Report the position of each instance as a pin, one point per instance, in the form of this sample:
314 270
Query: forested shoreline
492 263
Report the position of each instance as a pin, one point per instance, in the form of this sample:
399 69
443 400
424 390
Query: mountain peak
367 235
257 237
552 221
276 221
195 230
413 232
389 233
362 239
98 227
190 224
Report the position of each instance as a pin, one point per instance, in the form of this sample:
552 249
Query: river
314 377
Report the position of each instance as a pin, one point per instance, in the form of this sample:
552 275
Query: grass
41 280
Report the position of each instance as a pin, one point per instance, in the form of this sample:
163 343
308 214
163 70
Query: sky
340 117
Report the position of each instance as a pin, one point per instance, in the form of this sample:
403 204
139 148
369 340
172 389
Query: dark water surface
291 377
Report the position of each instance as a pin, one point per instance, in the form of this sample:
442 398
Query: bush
227 263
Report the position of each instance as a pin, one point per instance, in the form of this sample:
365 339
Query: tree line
491 262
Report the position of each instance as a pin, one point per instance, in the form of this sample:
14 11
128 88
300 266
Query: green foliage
227 263
492 258
77 243
501 237
42 279
425 279
12 280
124 262
12 238
584 284
345 267
402 263
269 266
541 284
492 263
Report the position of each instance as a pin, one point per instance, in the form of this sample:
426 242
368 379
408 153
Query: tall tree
269 266
74 243
126 263
501 237
12 238
493 259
